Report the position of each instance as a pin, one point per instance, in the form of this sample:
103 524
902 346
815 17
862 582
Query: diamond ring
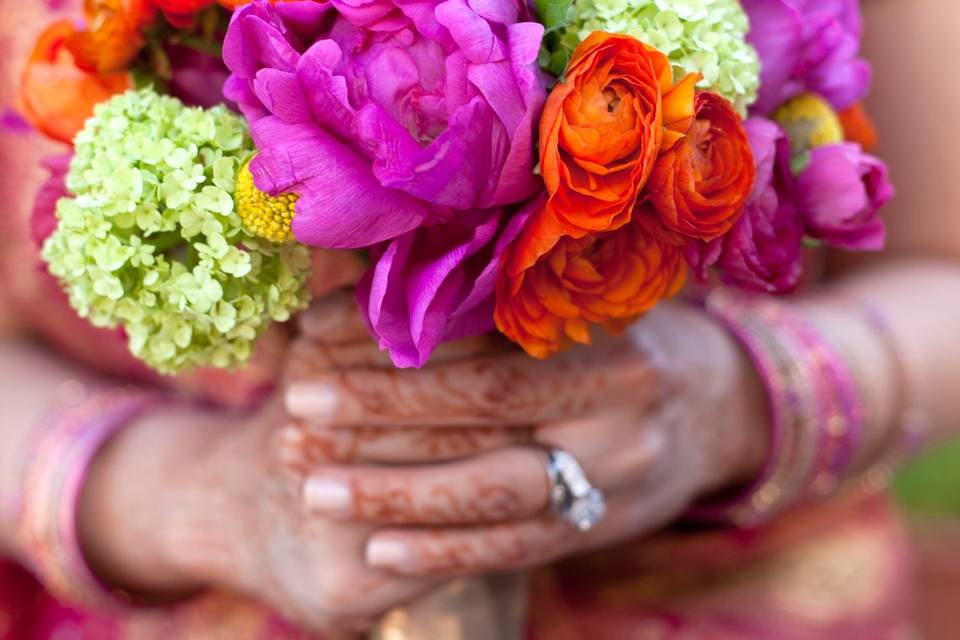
572 497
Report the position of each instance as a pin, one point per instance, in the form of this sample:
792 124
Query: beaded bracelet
912 425
52 480
816 415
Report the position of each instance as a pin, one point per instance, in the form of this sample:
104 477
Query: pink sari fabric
28 613
838 571
841 570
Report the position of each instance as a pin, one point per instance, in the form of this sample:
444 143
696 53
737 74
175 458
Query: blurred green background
930 485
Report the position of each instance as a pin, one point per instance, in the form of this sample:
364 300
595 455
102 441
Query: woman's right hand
185 500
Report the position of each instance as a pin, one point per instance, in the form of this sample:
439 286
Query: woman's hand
185 500
666 414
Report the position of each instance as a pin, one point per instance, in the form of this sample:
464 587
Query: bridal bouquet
542 170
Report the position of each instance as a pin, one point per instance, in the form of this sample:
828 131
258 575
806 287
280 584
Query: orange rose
698 187
55 95
115 36
608 279
858 127
600 134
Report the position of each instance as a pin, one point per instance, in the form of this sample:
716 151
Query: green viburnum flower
151 239
708 36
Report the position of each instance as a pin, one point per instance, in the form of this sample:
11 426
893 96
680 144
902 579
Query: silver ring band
572 497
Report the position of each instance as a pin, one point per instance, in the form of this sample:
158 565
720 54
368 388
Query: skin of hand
664 415
227 512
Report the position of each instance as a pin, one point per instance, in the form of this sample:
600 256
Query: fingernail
311 400
328 495
387 553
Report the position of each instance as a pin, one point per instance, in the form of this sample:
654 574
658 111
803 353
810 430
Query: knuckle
500 390
332 589
385 500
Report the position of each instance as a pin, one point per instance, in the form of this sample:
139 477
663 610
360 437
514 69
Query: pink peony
436 284
764 252
405 127
841 192
808 45
389 114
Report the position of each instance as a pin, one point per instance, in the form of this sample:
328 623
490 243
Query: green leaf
555 14
558 62
799 161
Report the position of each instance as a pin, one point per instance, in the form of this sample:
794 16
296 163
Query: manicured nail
327 495
387 553
311 400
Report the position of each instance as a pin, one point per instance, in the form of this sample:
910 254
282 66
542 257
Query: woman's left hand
657 418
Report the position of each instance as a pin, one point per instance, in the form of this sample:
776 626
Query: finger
333 319
617 450
457 552
332 269
311 447
508 483
502 547
473 347
503 485
494 390
451 552
308 358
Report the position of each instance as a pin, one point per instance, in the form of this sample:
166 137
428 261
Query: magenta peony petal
495 11
281 95
436 283
364 12
449 171
808 45
406 127
472 34
777 34
764 250
841 193
326 93
341 204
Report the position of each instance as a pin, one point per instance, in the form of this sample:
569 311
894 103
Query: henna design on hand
487 502
495 548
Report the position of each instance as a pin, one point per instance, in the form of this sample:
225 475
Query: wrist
818 411
735 409
716 388
142 501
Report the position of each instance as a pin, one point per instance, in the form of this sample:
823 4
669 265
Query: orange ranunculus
56 96
858 127
180 13
601 131
698 188
608 278
182 7
114 37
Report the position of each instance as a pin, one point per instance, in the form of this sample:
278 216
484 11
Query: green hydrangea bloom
708 36
151 239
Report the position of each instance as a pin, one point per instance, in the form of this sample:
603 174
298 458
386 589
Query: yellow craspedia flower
265 216
810 122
